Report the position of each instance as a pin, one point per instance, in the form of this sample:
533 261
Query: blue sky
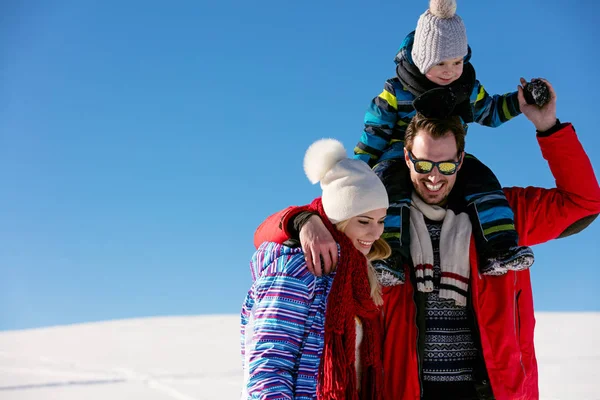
142 142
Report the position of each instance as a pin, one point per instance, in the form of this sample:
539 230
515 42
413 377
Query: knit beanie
350 187
440 35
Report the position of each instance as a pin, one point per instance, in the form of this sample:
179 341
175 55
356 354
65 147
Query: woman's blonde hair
380 250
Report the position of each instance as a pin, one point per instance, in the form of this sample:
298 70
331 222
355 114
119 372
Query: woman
307 337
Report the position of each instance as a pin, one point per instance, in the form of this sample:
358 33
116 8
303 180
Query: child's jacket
390 113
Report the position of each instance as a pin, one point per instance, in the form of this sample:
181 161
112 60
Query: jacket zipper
517 320
419 367
481 359
419 370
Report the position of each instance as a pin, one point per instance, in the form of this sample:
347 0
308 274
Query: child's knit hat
440 35
350 187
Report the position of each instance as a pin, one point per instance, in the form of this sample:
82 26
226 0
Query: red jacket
503 305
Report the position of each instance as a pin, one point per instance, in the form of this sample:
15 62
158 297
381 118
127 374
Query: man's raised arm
545 214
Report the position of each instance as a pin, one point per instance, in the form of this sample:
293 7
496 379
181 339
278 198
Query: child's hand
543 118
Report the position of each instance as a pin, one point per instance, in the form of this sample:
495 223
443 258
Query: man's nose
434 175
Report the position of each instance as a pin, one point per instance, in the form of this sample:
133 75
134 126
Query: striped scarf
455 238
349 298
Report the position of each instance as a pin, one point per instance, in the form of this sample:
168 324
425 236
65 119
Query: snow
197 357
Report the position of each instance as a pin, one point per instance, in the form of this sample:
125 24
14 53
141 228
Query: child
307 337
435 57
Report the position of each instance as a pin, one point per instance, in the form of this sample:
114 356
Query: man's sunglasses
425 166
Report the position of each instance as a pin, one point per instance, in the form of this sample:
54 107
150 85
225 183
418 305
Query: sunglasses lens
423 166
447 168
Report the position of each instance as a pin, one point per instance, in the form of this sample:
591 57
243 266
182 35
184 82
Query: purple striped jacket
282 325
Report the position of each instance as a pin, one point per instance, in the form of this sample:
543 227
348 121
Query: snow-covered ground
197 357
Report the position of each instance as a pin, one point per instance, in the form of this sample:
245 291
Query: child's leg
493 220
396 178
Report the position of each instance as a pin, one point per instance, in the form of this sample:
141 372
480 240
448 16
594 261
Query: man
451 333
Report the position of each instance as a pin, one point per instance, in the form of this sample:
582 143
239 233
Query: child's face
446 71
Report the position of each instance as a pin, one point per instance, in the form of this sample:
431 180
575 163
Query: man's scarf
350 297
455 238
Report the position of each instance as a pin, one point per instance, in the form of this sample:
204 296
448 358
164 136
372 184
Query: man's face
433 187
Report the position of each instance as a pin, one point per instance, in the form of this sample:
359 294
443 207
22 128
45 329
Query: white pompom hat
350 187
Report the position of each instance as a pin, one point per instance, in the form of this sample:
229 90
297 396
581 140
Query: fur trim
442 8
321 156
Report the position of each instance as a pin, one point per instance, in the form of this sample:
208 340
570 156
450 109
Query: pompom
321 156
443 8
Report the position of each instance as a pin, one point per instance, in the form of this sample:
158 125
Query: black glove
436 103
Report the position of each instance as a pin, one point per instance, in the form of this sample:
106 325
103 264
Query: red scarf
350 296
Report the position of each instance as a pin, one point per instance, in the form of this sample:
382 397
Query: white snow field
197 358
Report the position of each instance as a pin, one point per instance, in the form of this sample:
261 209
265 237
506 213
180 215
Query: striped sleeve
283 297
493 110
380 119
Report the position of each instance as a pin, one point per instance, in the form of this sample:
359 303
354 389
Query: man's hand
543 118
317 243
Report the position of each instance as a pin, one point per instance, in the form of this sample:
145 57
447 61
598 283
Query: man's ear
462 159
406 159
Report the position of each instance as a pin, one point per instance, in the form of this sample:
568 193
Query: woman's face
365 228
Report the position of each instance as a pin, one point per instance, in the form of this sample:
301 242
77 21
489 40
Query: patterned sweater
282 325
450 351
390 113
